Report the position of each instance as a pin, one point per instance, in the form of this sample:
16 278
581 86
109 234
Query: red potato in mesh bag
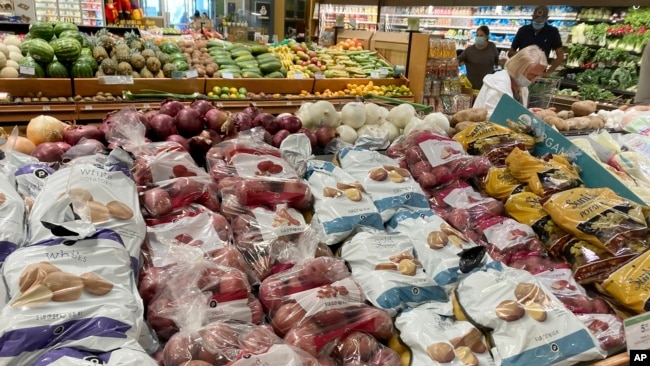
305 275
509 241
315 334
178 192
361 348
162 161
458 202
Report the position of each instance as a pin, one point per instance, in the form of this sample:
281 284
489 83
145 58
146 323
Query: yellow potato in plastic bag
599 216
630 284
527 208
500 184
543 177
493 141
591 263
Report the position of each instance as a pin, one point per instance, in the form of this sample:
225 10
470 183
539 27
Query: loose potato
463 125
583 108
579 123
549 116
471 115
596 122
565 114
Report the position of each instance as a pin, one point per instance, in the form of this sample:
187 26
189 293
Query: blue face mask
538 26
480 41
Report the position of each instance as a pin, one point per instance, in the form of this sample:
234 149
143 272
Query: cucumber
250 75
275 75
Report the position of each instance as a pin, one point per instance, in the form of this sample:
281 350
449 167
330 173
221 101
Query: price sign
219 105
637 332
115 80
88 107
46 107
319 75
289 103
191 74
146 105
298 76
384 71
27 70
227 75
374 74
177 74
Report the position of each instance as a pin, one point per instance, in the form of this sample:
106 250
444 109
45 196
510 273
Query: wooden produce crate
12 114
94 112
268 86
392 45
91 86
21 87
320 85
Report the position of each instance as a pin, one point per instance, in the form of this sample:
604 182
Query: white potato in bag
79 357
436 243
530 325
12 219
73 291
341 203
390 186
385 267
436 339
103 195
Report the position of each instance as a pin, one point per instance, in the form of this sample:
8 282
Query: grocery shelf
351 13
428 16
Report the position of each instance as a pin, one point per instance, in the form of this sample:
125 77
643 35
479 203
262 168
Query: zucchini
251 75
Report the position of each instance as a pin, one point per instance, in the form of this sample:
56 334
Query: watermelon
181 65
42 30
73 34
55 69
24 47
81 69
170 47
41 51
89 60
67 50
29 61
64 26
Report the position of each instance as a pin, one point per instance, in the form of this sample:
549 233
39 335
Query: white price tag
383 71
88 107
298 76
637 332
116 80
319 75
177 74
219 105
27 70
191 74
374 74
227 75
146 105
289 103
46 107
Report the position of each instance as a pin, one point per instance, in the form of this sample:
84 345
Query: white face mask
523 81
480 41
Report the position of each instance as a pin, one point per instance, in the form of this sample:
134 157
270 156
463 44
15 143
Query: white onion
439 120
347 133
393 131
375 114
304 114
353 114
414 124
401 115
323 113
372 131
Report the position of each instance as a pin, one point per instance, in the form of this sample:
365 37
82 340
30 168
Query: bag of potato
526 208
509 241
76 290
628 285
436 244
530 326
3 294
493 141
544 176
500 184
232 343
12 219
78 357
385 267
89 191
362 348
30 179
593 264
437 339
341 203
390 186
599 216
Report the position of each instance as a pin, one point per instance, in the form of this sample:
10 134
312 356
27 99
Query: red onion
75 133
180 140
199 146
268 138
279 137
162 126
214 119
311 135
83 148
189 122
171 107
251 111
202 106
239 121
48 152
63 145
107 124
148 115
289 122
267 121
325 134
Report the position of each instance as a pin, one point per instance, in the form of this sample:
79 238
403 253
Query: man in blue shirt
539 33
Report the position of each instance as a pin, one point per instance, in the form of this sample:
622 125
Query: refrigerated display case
92 13
59 10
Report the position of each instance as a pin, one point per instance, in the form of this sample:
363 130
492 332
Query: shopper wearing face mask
545 36
520 71
479 58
